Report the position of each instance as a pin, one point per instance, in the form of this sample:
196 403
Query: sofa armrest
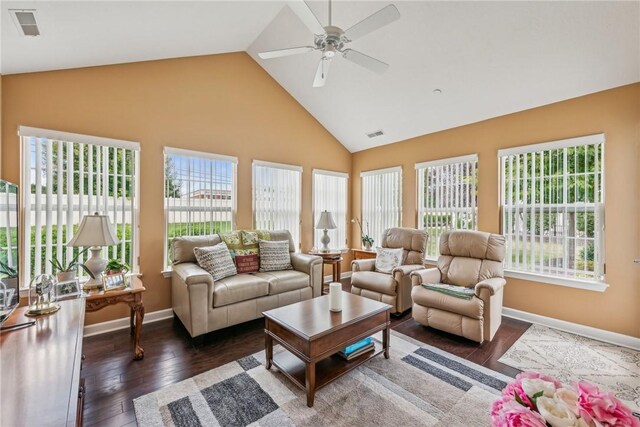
191 273
405 270
363 265
425 275
311 265
493 285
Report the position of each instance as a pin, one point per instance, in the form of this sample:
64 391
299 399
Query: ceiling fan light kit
331 40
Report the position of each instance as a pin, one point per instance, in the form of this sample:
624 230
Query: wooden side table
334 259
132 296
363 254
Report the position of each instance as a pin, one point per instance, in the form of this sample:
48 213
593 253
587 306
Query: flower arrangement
367 240
538 400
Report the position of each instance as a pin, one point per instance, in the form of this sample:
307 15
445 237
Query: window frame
421 168
169 151
376 172
567 281
26 132
344 245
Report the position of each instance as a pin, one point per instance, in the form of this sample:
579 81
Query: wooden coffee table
313 335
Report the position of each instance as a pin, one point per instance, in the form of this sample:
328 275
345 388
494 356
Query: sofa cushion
374 281
216 260
238 288
427 298
182 247
284 281
275 256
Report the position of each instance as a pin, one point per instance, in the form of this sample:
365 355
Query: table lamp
325 223
95 231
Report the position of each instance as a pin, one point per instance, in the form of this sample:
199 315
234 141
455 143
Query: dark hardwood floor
114 379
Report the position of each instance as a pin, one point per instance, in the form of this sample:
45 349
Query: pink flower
515 388
512 414
604 408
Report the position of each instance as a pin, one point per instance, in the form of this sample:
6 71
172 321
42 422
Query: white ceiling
488 58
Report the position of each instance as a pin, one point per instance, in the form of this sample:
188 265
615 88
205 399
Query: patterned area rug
418 386
570 357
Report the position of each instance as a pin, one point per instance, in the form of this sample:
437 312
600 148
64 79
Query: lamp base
96 265
325 241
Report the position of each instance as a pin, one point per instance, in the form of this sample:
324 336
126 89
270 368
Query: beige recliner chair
394 288
471 259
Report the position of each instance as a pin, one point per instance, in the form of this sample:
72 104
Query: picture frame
114 282
68 289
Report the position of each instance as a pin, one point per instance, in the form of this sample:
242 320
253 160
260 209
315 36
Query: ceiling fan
332 40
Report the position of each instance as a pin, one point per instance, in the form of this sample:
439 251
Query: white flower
568 397
558 414
532 386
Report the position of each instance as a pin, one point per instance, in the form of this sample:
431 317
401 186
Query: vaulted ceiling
486 58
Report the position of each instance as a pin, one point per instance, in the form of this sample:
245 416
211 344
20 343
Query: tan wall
615 112
223 104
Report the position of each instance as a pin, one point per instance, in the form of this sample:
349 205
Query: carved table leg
131 320
138 309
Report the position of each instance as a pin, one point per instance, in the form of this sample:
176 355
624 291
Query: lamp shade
94 230
326 221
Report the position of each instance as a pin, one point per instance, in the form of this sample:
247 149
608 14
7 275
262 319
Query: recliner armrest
493 285
363 265
304 262
191 273
405 270
425 275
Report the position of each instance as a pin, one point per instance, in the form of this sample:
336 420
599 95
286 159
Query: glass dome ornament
42 296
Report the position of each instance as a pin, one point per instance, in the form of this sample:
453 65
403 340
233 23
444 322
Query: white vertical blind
65 179
447 197
381 201
199 194
277 197
553 208
330 191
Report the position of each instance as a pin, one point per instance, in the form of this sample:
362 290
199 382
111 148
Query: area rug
570 357
418 386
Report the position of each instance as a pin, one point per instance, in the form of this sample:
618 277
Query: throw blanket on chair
454 291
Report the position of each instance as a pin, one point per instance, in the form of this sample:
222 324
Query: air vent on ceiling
25 20
375 134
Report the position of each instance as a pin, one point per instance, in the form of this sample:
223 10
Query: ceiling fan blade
321 72
285 52
305 14
365 61
384 16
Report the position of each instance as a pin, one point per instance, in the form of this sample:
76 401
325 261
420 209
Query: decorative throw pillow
216 260
250 240
387 259
233 241
247 263
275 256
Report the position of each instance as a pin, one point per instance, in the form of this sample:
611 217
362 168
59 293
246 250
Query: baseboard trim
575 328
345 275
123 323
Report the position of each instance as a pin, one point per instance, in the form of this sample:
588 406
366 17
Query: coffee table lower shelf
327 370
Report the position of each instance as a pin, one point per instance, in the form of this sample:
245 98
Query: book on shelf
367 348
357 346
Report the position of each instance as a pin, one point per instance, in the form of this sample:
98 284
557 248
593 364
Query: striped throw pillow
216 260
274 255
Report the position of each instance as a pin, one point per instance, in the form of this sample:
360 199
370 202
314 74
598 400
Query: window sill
558 281
167 273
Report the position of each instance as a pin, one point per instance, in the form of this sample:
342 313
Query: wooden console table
363 254
132 296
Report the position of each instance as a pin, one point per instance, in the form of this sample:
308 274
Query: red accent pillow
247 263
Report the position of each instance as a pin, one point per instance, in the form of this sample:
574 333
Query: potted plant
114 266
367 241
68 272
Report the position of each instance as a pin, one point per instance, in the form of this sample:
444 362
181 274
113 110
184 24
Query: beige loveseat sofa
469 259
204 305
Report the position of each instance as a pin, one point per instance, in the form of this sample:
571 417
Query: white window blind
67 176
277 197
199 194
381 201
553 208
447 198
330 194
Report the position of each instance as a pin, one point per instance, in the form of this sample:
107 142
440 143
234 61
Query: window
199 194
446 198
67 176
381 201
330 194
277 197
552 208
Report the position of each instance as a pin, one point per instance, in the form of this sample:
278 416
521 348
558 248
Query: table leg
337 272
131 314
138 308
386 334
310 378
268 350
